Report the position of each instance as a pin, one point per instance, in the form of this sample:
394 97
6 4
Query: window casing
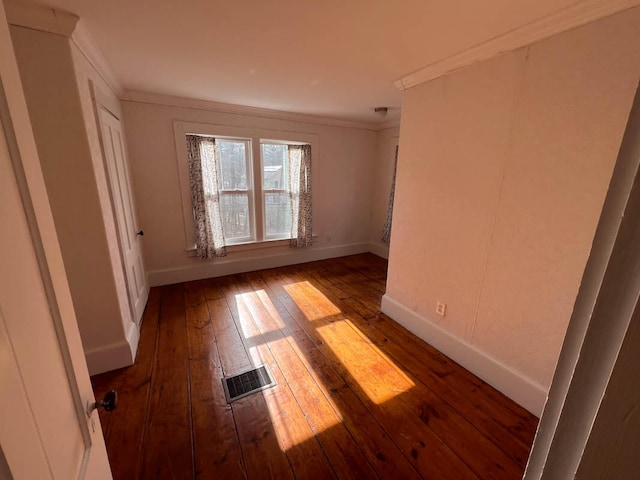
254 200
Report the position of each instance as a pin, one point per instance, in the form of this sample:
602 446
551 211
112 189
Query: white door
124 210
45 432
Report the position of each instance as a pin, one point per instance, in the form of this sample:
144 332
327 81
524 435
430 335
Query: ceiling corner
38 17
88 47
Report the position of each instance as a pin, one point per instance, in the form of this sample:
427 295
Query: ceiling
335 58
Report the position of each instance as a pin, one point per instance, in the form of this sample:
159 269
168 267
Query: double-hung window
235 189
275 189
256 186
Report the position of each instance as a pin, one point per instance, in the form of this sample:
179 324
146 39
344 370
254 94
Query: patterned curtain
203 176
386 231
300 195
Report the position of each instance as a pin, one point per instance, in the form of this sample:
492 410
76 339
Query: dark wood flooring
358 396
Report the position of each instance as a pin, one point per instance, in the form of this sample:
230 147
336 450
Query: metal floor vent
246 383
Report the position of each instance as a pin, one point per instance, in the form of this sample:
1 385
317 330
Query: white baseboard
380 249
109 357
230 265
521 389
133 338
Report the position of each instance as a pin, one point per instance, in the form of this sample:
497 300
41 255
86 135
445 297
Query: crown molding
388 124
182 102
578 14
38 17
87 46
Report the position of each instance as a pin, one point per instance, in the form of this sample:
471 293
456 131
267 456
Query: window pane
233 165
275 166
234 210
277 208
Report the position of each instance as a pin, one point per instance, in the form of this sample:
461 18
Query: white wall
343 170
55 76
387 140
503 170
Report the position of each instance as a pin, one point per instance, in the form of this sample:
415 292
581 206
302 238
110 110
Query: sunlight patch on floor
271 309
379 378
245 321
374 372
255 308
311 301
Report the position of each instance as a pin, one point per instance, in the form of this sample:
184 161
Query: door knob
141 233
109 402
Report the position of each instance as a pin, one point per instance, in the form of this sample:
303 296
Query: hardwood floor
357 395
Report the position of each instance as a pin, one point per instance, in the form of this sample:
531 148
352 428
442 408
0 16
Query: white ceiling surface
335 58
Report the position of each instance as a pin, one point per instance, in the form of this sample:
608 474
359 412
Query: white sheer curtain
300 195
203 174
386 230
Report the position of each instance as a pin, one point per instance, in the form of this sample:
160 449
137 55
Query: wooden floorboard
294 433
216 443
167 449
259 443
124 434
385 457
323 416
393 341
373 379
357 395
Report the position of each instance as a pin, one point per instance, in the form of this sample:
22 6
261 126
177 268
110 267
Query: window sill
243 247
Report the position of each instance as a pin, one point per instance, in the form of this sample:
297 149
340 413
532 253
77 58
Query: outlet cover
441 309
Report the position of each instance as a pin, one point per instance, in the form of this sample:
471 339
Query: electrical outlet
441 309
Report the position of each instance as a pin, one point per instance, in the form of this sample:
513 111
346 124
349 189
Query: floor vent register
247 383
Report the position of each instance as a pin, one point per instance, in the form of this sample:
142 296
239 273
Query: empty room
286 239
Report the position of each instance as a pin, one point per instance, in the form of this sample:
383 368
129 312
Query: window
234 188
239 210
275 178
251 191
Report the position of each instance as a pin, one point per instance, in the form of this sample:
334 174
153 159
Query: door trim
101 101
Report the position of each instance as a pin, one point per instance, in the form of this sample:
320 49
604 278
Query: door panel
20 417
124 210
44 384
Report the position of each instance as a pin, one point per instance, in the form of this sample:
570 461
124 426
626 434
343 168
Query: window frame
255 138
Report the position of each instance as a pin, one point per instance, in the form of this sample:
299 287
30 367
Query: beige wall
502 174
55 77
342 172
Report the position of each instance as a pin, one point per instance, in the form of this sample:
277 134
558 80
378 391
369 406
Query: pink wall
502 174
